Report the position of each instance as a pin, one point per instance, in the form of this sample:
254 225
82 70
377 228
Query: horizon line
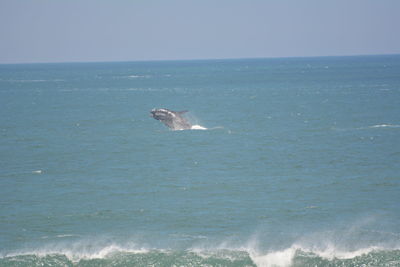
194 59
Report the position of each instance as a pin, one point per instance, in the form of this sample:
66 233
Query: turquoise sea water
299 165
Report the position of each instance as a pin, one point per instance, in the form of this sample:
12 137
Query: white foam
231 255
38 171
78 251
139 76
385 126
278 258
332 252
320 244
228 249
198 127
282 258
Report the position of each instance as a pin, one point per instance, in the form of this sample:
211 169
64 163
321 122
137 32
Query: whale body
173 119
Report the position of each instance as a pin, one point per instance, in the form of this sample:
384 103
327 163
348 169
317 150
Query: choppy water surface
298 165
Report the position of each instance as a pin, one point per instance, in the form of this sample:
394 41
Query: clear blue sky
122 30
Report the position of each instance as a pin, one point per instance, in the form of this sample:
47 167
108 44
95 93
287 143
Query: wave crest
114 255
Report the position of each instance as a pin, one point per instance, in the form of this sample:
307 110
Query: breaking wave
90 254
118 256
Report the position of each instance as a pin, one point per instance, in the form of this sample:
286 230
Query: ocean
295 162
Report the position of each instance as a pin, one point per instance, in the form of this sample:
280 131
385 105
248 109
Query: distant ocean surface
299 164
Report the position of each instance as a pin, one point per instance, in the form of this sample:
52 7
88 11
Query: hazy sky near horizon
129 30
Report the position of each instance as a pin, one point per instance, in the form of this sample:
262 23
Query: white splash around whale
198 127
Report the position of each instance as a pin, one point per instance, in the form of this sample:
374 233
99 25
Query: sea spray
198 127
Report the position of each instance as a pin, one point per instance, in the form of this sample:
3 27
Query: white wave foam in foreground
78 251
313 249
319 248
287 256
332 252
279 258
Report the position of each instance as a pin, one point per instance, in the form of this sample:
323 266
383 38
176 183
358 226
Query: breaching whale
173 119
